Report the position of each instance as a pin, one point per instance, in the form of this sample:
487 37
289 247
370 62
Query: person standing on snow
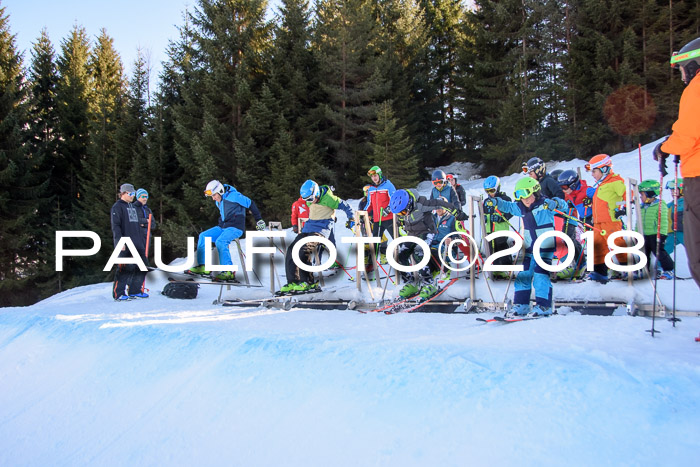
685 142
378 196
322 204
610 192
125 223
648 192
538 217
677 193
441 188
495 222
415 212
232 210
461 194
578 192
144 211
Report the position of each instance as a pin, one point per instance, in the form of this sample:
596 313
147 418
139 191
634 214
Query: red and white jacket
378 197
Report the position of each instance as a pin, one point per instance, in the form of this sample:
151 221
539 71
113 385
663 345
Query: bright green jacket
650 218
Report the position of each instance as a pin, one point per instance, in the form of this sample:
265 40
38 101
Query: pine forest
321 90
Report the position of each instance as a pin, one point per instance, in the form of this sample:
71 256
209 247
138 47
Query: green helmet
375 170
526 187
671 184
650 186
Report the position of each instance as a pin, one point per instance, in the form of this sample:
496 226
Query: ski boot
597 277
139 295
197 270
539 311
566 273
409 290
286 288
305 287
122 298
665 275
428 291
517 310
226 276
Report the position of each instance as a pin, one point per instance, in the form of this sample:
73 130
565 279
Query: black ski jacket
550 187
125 223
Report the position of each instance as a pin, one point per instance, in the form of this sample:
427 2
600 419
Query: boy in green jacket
648 192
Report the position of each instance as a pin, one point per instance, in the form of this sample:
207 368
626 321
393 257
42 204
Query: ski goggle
131 193
371 172
526 169
676 57
524 193
402 213
143 196
564 187
490 190
439 182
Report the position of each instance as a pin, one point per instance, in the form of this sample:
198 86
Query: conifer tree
104 169
16 205
72 100
43 141
392 149
346 40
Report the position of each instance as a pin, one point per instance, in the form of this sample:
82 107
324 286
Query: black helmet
569 178
688 59
555 174
535 164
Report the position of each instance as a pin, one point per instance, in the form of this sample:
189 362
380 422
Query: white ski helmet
213 188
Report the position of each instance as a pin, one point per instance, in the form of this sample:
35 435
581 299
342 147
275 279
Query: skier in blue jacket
232 210
538 217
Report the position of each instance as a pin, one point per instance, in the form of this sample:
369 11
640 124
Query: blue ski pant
533 275
670 245
222 238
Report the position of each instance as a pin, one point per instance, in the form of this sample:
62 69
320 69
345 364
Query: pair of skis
407 305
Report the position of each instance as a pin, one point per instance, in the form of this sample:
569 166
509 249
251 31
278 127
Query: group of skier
544 202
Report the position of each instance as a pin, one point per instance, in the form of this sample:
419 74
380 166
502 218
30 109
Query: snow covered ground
88 381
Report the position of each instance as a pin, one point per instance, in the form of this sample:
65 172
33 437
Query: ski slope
85 380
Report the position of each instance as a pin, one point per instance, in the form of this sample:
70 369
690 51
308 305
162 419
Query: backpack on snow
180 290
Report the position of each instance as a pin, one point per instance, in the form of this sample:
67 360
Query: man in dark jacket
125 223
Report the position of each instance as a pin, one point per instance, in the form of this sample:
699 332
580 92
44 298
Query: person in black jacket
145 213
537 169
125 223
461 194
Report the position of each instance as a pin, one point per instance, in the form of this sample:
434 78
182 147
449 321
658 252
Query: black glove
587 201
661 156
295 229
659 153
496 218
350 224
619 212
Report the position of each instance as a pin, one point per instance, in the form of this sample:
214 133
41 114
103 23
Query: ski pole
640 162
676 161
511 225
601 231
148 233
662 171
148 238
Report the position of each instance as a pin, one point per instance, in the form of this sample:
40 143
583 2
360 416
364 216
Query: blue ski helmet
401 203
439 178
309 190
492 183
569 178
